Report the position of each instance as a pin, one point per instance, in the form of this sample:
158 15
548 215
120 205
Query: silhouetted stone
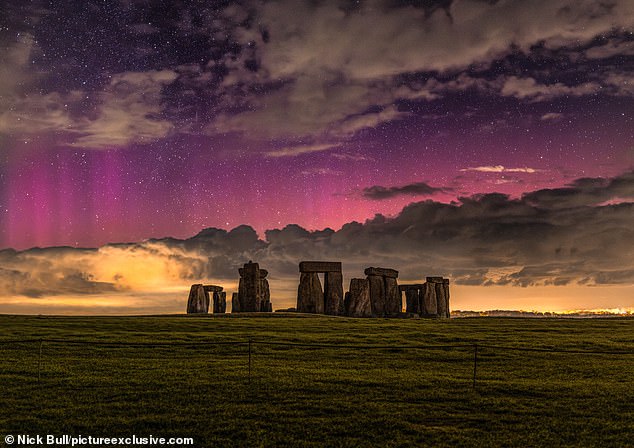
319 266
445 284
265 292
333 293
441 300
212 288
310 297
429 300
220 302
383 272
377 295
393 298
358 298
235 303
198 301
249 290
412 302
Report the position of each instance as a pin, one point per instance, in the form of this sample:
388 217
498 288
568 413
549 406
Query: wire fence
271 355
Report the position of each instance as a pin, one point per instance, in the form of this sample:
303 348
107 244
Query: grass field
351 394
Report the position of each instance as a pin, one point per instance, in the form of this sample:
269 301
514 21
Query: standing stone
250 294
235 303
333 293
441 299
220 302
377 295
445 284
358 298
265 292
198 301
412 301
430 307
393 298
242 293
310 297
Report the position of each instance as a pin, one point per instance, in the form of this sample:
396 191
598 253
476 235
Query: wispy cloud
501 169
552 116
378 192
292 151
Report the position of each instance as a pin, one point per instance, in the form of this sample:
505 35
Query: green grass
321 396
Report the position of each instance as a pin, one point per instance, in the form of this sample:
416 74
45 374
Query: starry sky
488 141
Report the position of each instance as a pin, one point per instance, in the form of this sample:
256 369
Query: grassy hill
343 382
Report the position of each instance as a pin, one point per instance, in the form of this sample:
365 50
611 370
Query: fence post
475 363
39 362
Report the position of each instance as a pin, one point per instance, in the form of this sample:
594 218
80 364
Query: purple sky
127 120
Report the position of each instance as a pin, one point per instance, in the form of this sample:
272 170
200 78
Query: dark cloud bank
579 234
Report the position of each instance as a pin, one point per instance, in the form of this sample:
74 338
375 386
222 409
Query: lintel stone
409 287
383 272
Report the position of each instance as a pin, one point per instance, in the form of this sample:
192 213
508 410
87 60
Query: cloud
378 192
530 89
584 192
324 70
612 48
552 116
292 151
128 110
501 169
321 71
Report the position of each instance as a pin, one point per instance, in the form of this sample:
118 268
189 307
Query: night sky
506 126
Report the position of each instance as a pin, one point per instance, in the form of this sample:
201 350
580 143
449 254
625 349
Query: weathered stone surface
310 297
383 272
319 266
333 293
212 288
442 299
377 295
263 273
220 302
235 303
412 301
429 300
446 288
434 279
393 297
250 294
198 301
265 302
358 298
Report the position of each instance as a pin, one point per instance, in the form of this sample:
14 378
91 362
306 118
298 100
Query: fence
479 354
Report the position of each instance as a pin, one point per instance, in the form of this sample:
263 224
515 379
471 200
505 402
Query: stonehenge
310 296
377 295
430 299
